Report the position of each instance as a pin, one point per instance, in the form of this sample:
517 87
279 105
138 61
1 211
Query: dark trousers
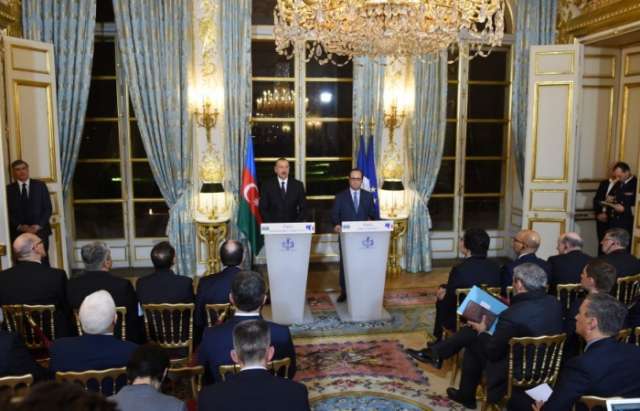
465 337
343 286
445 318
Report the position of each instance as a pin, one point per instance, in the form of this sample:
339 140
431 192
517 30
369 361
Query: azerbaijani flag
249 218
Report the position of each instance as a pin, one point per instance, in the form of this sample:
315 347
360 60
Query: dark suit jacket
38 211
274 208
344 210
120 289
625 194
213 289
601 195
34 283
625 263
531 314
164 287
90 352
606 369
566 268
255 390
15 359
217 344
475 270
506 276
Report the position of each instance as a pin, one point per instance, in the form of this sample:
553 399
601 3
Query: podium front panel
364 256
288 267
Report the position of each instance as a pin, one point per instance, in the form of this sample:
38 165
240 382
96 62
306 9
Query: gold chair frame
274 366
624 335
99 376
222 311
636 333
592 401
155 326
572 291
24 319
14 381
628 288
194 374
121 313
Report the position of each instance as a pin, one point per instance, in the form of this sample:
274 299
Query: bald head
569 242
526 241
28 247
231 253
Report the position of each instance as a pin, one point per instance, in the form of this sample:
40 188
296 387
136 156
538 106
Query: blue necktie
355 200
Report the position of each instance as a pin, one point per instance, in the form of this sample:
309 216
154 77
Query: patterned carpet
362 366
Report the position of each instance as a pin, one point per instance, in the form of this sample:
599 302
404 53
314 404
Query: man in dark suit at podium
352 204
29 206
282 197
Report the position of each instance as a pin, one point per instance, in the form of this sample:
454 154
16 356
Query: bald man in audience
97 348
615 245
568 264
525 244
34 283
607 368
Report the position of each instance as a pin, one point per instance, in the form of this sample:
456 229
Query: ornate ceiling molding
577 18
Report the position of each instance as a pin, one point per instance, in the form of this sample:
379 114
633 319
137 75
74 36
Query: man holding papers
476 269
532 313
606 369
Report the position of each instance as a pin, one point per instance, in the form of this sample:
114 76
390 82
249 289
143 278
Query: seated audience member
97 348
614 245
31 282
97 263
568 264
163 286
254 388
607 368
15 358
476 269
146 370
525 244
247 295
597 277
532 313
63 396
215 289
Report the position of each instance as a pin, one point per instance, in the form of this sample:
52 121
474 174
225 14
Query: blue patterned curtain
368 100
235 24
69 25
154 40
426 142
535 25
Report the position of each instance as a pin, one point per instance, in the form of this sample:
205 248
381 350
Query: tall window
470 189
115 198
311 128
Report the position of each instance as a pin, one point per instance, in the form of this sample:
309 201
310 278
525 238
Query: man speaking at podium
281 197
352 204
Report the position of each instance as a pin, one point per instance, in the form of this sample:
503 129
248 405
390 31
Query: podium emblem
288 244
368 242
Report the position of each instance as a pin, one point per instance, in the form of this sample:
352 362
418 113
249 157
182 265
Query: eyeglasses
515 240
355 178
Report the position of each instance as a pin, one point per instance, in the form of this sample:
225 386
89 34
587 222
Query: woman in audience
146 370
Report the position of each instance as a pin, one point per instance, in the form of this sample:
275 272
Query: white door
550 160
32 126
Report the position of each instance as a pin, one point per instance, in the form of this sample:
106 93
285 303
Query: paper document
540 393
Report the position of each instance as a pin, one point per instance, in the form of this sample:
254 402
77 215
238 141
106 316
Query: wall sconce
392 165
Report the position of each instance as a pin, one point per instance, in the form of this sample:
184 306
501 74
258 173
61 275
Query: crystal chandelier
392 28
280 101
